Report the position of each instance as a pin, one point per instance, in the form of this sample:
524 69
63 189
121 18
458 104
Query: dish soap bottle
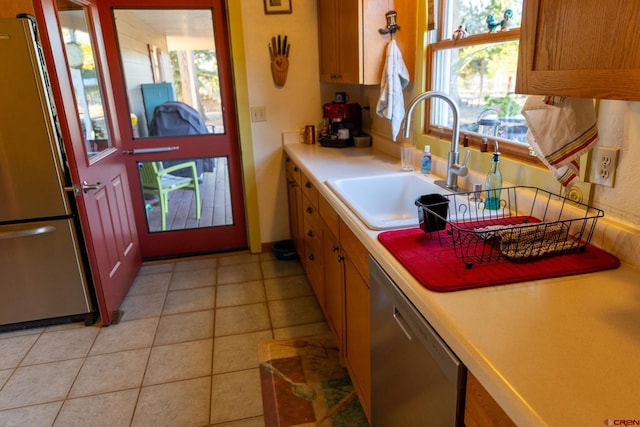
493 184
425 167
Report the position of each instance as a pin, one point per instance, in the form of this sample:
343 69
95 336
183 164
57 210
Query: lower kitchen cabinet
333 272
313 259
357 307
295 204
336 265
357 334
480 409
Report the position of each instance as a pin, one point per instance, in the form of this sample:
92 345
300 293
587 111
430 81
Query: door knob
86 187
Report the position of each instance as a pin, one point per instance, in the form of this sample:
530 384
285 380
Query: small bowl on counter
362 141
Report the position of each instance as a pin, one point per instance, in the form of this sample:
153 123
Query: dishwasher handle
397 316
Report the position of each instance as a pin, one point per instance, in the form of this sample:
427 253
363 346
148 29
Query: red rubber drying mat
437 268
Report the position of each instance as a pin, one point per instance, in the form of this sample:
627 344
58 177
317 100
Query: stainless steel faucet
454 169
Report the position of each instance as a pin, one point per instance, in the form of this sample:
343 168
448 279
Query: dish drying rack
530 223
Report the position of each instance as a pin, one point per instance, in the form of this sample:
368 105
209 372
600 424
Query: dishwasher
416 380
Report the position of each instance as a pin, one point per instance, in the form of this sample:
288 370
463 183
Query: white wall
619 126
289 107
133 38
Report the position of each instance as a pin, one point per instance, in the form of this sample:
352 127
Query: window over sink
473 55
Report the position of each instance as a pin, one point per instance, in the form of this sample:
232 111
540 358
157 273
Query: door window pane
170 71
84 75
184 194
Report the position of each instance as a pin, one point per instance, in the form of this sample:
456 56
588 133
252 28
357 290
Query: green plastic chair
159 181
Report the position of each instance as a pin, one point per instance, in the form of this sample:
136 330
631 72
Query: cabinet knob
310 233
340 258
309 210
307 184
334 248
295 169
311 257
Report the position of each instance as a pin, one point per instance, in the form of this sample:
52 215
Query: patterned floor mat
304 383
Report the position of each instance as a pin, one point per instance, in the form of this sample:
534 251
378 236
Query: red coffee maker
338 116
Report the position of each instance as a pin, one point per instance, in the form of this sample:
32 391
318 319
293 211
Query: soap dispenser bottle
425 165
493 184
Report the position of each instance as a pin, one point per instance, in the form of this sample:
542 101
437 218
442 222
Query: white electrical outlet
258 114
605 166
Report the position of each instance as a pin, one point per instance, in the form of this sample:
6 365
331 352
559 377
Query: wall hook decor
279 53
392 25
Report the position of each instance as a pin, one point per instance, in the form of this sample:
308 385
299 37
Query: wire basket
529 223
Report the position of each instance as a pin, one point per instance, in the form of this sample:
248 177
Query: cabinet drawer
293 170
313 262
309 190
355 250
312 233
310 213
329 215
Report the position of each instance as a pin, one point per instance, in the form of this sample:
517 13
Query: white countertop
555 352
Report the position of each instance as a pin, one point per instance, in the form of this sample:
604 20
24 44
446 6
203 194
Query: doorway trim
236 36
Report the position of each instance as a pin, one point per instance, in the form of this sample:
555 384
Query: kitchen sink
385 201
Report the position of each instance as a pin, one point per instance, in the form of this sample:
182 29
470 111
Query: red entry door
171 71
72 45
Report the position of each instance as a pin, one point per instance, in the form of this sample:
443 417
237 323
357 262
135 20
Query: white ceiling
192 28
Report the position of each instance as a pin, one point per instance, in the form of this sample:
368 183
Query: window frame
521 152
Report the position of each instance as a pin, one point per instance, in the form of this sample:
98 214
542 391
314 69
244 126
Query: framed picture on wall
277 6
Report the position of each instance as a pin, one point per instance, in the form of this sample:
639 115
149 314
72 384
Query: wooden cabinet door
349 44
358 342
294 194
352 50
580 48
480 409
333 271
333 285
314 264
357 309
339 41
295 224
328 39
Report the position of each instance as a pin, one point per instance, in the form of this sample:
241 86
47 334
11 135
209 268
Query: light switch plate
259 114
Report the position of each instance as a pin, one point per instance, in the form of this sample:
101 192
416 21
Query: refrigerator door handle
6 235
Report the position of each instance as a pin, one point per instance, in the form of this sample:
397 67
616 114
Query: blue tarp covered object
176 119
179 119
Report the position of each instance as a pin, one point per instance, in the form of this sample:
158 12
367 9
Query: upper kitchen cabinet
580 48
352 50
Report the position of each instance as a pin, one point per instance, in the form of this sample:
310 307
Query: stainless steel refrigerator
43 272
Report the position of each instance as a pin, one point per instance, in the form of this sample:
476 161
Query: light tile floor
184 353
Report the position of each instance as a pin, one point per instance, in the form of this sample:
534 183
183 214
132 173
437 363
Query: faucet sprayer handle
466 158
462 170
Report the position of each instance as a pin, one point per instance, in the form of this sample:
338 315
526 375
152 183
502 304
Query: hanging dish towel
561 129
395 77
